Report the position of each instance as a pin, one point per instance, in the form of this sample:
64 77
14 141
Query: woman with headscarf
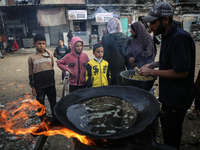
140 47
114 44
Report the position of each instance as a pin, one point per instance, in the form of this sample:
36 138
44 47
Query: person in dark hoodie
114 44
75 63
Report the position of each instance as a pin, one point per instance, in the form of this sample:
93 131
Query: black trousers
197 98
74 88
172 122
51 95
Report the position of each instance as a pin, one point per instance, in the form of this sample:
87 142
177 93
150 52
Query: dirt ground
14 85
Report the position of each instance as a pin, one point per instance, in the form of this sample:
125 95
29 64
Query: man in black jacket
176 71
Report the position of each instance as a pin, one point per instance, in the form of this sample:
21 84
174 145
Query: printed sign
77 14
103 17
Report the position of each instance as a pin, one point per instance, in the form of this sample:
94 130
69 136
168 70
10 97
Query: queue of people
117 52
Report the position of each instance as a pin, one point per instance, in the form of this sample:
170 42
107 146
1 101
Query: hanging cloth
51 17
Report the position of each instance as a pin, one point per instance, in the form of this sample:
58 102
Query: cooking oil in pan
102 116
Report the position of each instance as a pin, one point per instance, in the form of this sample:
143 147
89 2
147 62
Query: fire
21 85
15 115
11 84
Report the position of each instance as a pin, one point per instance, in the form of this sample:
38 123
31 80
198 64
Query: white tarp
62 2
51 17
101 10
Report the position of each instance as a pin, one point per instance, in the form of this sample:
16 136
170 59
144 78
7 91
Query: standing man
69 35
176 71
60 35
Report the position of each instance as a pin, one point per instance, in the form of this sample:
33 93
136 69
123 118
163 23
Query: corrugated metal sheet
63 2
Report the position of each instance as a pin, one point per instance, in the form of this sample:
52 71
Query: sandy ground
14 85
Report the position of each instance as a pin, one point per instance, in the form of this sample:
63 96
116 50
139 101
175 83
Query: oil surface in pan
102 116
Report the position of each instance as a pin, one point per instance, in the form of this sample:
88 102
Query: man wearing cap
176 71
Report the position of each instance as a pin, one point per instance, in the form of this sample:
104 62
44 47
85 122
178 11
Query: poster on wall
103 17
77 14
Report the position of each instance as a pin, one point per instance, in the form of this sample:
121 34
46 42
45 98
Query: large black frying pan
145 104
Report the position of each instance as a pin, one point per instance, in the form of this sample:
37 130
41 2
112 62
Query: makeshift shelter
101 25
100 10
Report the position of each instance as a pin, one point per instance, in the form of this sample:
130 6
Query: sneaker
193 114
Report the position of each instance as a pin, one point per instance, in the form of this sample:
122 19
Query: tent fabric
101 10
62 2
51 17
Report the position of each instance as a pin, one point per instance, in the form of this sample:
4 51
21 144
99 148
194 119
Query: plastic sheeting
101 10
51 17
62 2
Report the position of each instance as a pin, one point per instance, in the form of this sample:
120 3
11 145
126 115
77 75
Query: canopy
101 10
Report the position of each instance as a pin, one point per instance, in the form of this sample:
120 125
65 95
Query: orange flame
21 85
13 119
11 84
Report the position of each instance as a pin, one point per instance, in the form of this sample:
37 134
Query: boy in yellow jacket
97 69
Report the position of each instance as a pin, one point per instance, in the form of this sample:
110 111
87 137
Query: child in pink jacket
75 63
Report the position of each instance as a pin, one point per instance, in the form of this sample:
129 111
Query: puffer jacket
77 64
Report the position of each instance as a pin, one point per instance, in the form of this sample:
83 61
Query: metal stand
40 142
42 138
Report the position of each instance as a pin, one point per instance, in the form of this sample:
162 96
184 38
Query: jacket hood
114 26
15 42
73 42
119 37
